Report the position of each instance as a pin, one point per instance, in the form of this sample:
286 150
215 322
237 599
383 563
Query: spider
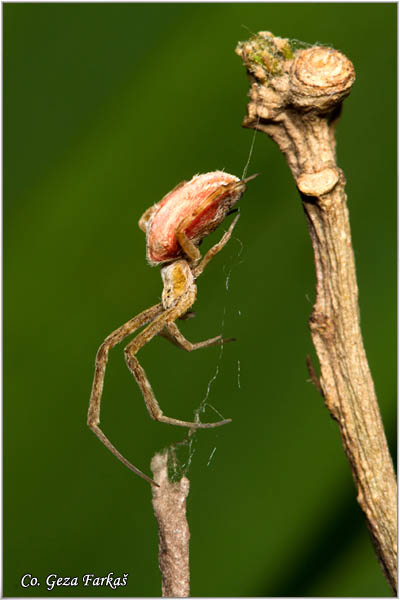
174 228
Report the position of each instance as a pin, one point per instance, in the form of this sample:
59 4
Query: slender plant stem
295 98
169 503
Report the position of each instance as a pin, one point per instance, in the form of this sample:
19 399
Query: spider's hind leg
172 333
156 327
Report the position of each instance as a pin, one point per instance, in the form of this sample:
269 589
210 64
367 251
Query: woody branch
169 504
296 98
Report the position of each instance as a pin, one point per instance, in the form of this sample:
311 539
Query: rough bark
169 503
295 98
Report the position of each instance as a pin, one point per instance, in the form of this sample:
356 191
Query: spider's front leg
209 255
177 299
192 251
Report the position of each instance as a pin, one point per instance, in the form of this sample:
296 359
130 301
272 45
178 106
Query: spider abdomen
196 207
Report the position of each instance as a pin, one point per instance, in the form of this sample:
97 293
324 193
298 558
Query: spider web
181 453
179 466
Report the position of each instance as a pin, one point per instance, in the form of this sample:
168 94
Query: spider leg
101 361
189 248
163 320
172 333
145 218
188 315
215 249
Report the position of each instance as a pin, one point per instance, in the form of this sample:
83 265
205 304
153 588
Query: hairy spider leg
172 334
189 247
101 361
209 255
163 324
164 320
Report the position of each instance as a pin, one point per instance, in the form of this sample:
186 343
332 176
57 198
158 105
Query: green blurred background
106 108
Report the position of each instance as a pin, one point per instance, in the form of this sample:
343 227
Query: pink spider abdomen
195 202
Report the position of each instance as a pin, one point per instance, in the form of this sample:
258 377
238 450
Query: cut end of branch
285 73
318 184
320 77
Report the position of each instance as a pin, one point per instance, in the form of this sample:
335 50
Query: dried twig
169 503
295 97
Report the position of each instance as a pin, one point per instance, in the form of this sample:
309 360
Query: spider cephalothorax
174 228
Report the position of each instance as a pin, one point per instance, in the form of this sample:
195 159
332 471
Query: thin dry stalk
295 98
169 503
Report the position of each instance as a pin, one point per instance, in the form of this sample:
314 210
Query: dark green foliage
106 108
